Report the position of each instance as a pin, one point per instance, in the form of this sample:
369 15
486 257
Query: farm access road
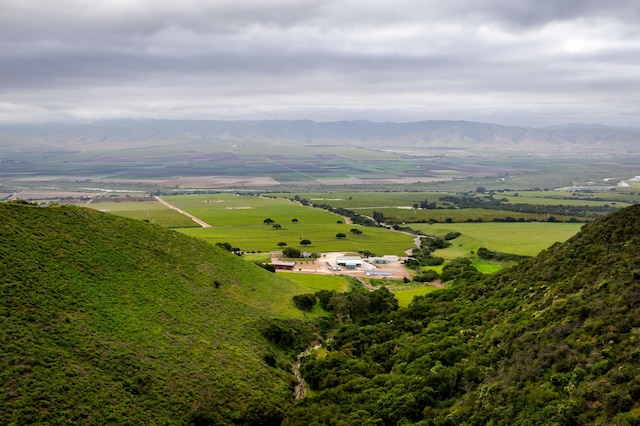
189 215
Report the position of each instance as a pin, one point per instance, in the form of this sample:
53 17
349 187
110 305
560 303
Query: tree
276 226
304 302
281 244
294 220
305 242
340 235
291 252
481 190
378 217
355 231
268 221
224 246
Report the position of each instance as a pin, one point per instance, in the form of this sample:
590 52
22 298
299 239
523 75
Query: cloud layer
512 62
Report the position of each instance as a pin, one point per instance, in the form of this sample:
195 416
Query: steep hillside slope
555 340
109 320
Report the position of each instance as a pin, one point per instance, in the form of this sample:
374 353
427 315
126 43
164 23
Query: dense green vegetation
550 341
110 320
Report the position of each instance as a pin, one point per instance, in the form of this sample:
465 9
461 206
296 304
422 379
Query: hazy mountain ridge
432 134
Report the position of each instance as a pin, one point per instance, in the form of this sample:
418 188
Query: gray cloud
520 62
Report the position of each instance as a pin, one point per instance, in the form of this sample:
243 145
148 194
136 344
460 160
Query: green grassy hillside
107 320
554 340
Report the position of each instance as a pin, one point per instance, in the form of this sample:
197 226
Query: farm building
283 266
349 262
383 260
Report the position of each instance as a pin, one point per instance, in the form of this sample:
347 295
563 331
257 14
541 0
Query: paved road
189 215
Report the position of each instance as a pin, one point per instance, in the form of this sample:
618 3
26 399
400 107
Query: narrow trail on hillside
189 215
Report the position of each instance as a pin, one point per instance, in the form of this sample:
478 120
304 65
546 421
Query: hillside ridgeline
106 320
554 340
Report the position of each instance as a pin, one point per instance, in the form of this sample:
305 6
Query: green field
151 211
405 293
521 238
239 220
456 215
359 199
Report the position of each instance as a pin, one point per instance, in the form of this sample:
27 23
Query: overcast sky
524 62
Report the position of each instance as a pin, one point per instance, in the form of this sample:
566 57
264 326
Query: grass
116 321
405 294
311 283
239 220
487 267
521 238
151 211
456 215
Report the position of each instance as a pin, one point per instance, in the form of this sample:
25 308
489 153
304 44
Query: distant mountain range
579 138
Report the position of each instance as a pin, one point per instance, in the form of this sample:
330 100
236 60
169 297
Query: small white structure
387 258
349 262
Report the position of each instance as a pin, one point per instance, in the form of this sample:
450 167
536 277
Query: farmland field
526 239
456 215
239 220
151 211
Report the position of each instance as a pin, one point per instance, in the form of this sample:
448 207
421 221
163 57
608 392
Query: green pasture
233 210
302 284
455 215
152 211
487 267
564 200
405 293
311 283
353 200
239 220
521 238
257 257
263 238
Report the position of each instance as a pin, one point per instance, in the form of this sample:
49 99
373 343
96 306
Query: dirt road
189 215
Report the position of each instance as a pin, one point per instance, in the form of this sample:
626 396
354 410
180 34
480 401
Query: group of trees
274 225
423 256
425 205
294 253
354 231
550 341
228 247
357 303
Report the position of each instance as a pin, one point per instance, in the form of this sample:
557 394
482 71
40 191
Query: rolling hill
553 340
106 320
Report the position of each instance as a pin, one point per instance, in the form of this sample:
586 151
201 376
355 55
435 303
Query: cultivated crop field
526 239
239 220
151 211
368 199
456 215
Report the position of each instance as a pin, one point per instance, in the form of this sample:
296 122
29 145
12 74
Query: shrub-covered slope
110 320
554 340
